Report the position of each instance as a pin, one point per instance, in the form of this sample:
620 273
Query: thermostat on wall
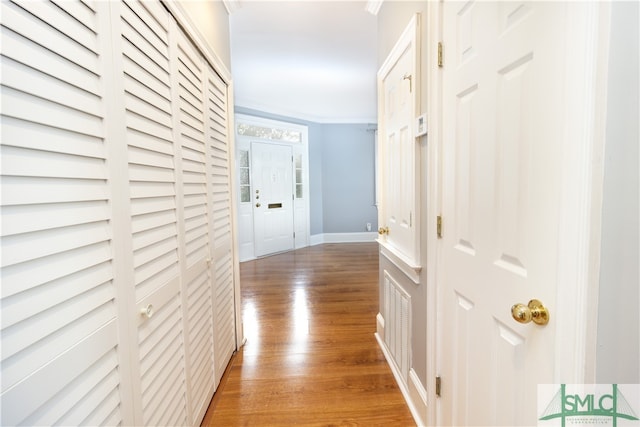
421 125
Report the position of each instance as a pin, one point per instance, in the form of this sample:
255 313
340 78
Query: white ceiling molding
232 5
373 6
296 114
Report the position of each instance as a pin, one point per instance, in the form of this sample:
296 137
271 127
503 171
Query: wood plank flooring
311 357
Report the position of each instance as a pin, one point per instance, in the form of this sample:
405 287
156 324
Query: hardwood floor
311 357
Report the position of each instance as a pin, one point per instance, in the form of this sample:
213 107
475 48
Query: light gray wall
393 18
330 147
618 320
212 21
348 175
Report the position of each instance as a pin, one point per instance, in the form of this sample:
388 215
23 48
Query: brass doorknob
383 230
258 205
534 311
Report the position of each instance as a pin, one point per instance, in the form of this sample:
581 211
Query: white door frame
301 211
581 195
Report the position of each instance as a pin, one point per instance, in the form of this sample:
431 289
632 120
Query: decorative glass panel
244 176
299 188
244 159
245 187
270 133
245 194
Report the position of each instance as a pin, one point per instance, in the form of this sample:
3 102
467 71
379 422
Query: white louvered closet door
159 342
60 354
194 226
115 200
221 224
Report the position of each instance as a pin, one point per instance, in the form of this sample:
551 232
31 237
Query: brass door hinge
438 386
440 60
439 227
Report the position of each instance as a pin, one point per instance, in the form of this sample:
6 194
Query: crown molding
232 5
373 6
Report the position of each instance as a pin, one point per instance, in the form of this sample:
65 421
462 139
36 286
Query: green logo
589 408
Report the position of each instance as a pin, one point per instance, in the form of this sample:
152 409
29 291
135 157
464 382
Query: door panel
502 124
224 320
60 353
272 198
399 149
195 221
154 212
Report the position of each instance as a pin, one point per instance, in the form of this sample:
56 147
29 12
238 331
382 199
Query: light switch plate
421 125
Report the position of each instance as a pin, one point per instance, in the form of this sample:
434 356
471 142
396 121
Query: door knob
383 230
534 311
147 311
258 205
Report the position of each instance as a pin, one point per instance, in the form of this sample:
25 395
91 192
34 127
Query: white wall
212 21
618 320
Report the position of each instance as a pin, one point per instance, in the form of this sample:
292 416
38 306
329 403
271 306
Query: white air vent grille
397 312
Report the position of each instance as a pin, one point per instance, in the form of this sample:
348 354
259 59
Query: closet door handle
147 311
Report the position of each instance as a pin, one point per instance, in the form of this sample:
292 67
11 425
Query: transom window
272 133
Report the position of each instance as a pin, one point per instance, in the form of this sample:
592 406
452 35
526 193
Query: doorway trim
297 137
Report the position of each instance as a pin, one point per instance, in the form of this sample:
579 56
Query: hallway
310 357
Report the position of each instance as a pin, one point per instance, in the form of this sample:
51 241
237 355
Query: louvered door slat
80 11
32 28
17 133
35 109
63 22
58 92
141 27
154 16
32 396
22 191
22 50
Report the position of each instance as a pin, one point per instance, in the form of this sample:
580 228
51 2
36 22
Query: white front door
503 131
272 197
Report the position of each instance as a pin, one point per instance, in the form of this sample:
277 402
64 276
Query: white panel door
217 107
151 148
60 345
399 151
271 169
503 130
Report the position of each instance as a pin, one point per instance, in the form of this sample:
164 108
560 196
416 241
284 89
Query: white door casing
508 140
272 197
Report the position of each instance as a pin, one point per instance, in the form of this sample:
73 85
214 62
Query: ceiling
312 60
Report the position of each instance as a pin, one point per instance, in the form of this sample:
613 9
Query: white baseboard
418 398
414 394
366 236
380 326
